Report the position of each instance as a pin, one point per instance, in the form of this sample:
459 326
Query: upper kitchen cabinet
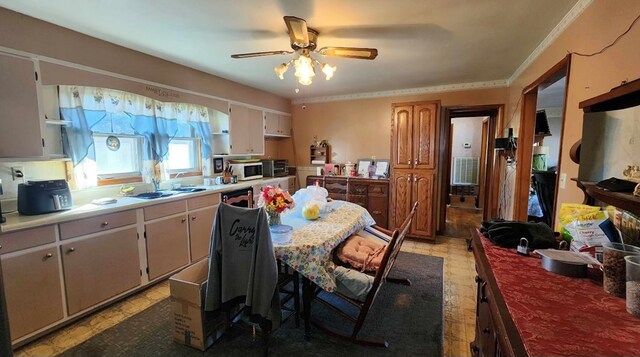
247 130
414 136
277 125
27 131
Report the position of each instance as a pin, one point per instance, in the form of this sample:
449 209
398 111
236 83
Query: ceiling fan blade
298 31
259 54
350 52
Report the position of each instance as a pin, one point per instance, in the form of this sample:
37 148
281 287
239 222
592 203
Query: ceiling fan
304 41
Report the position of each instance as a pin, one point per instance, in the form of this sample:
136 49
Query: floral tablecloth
309 251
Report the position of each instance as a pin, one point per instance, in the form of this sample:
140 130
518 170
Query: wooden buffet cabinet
372 194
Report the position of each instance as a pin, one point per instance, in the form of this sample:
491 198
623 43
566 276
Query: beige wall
28 34
597 26
362 128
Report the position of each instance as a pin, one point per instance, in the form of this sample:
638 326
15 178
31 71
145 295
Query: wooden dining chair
381 275
237 199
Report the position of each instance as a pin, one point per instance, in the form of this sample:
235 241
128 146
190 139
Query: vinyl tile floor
459 305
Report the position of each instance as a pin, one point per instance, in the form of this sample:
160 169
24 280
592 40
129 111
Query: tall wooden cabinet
414 139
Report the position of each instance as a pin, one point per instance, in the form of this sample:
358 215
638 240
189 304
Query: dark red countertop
561 316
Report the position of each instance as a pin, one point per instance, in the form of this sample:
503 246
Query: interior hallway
459 304
460 220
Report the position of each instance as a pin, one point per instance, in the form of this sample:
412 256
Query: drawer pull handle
105 223
49 255
72 249
193 218
376 212
486 330
184 220
0 246
478 279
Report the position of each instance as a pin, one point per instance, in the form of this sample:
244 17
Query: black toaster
38 197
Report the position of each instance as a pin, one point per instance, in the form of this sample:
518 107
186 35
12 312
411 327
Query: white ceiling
421 43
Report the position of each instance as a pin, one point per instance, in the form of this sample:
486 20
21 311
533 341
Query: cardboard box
192 326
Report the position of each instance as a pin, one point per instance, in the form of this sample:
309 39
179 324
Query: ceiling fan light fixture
304 69
328 70
281 69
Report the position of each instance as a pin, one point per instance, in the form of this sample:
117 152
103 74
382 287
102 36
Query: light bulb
281 69
328 70
305 81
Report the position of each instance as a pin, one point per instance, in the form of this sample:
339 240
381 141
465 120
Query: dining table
308 247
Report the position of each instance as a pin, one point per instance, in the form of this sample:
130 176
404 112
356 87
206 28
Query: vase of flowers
274 200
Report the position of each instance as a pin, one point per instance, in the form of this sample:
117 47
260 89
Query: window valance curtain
99 110
91 109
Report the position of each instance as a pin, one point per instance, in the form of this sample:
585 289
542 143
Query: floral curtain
98 110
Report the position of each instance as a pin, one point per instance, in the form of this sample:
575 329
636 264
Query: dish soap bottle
372 167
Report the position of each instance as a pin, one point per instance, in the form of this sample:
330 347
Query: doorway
467 192
540 145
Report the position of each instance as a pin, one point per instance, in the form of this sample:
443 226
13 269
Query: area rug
410 318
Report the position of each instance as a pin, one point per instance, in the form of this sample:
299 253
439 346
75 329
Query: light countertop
16 221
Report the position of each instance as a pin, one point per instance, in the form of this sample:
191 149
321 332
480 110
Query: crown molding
404 92
567 20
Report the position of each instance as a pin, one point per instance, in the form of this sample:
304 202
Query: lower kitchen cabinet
100 267
33 290
200 226
167 245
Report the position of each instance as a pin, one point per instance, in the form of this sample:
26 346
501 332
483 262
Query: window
121 163
183 155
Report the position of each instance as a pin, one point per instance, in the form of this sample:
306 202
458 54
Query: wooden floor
459 304
460 220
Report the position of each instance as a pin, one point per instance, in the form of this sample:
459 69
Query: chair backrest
236 199
390 255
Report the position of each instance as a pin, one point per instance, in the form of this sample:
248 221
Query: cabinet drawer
358 199
163 210
203 201
378 189
97 224
358 189
338 196
13 241
334 185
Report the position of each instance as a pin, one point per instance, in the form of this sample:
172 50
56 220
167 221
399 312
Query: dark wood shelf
622 200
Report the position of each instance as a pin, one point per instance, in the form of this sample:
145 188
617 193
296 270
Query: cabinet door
256 132
200 225
271 124
425 136
33 290
402 137
400 197
20 121
422 191
167 245
285 125
337 188
239 128
98 268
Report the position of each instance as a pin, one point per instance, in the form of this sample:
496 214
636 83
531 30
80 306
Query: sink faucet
156 184
176 185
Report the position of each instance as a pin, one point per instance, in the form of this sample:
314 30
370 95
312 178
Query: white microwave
247 170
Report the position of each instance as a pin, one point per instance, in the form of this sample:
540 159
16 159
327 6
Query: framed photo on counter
218 165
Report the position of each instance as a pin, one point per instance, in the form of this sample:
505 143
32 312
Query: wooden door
271 124
167 245
400 197
425 120
98 268
200 226
33 290
20 135
402 137
422 191
239 128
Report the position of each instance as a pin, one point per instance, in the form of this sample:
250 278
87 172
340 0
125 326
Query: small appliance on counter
246 169
38 197
275 168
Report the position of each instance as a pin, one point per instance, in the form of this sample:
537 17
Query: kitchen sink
188 189
152 195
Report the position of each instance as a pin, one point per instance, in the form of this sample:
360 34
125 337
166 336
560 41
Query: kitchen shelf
317 154
622 200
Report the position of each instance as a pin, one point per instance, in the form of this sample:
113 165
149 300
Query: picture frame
382 167
218 165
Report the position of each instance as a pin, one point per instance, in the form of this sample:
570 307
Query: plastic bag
312 195
584 226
